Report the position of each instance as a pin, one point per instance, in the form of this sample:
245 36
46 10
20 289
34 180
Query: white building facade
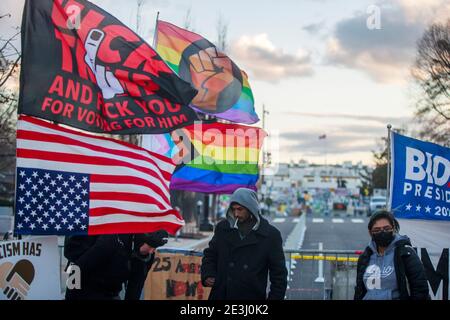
304 176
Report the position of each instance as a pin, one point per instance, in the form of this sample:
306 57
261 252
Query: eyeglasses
378 230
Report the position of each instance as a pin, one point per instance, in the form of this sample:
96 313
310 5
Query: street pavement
313 279
285 225
336 233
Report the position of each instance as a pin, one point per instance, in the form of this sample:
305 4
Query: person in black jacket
244 250
389 268
107 262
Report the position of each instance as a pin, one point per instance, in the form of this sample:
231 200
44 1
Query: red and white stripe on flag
128 188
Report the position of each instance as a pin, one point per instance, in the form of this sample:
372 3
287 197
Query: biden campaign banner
420 186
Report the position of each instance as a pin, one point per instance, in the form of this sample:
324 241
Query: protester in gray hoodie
389 268
243 252
246 216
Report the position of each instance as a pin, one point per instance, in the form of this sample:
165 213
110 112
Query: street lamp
199 212
264 156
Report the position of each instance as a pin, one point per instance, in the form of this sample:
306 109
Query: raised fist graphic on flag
215 76
106 80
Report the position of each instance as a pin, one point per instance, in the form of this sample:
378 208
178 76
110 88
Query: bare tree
140 5
9 66
432 73
9 63
188 22
379 174
222 32
133 139
380 157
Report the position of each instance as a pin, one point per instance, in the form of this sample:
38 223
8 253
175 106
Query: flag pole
14 234
155 36
141 137
263 150
388 185
264 155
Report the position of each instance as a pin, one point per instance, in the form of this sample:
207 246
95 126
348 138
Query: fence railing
331 274
321 274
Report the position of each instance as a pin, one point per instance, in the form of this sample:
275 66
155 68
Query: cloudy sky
334 67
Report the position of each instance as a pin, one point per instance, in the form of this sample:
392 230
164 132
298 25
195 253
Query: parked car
376 203
339 206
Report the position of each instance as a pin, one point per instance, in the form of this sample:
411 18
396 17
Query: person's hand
106 80
5 268
145 249
15 279
17 288
211 73
210 281
156 239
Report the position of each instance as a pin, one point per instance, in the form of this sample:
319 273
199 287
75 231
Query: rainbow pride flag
159 143
220 157
223 88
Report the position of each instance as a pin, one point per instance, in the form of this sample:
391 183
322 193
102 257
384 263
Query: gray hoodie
248 199
380 277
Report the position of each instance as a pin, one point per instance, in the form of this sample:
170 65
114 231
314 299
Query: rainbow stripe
171 41
159 143
227 158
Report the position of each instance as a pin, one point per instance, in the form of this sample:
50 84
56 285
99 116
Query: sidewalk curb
200 243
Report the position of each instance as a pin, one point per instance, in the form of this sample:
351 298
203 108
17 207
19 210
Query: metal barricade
321 274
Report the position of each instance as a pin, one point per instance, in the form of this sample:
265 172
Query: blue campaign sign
420 186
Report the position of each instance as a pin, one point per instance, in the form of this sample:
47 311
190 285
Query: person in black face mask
389 268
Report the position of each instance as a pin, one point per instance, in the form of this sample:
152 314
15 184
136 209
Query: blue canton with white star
51 202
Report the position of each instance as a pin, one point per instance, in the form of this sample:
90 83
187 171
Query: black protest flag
84 68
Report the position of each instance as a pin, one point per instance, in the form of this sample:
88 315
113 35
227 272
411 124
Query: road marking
317 220
337 220
279 220
357 220
296 220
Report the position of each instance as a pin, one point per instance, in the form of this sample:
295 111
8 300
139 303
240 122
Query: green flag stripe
207 163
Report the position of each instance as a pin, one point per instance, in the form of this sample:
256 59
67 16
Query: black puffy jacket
411 277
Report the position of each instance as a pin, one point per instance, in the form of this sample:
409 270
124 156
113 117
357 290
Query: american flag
72 183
